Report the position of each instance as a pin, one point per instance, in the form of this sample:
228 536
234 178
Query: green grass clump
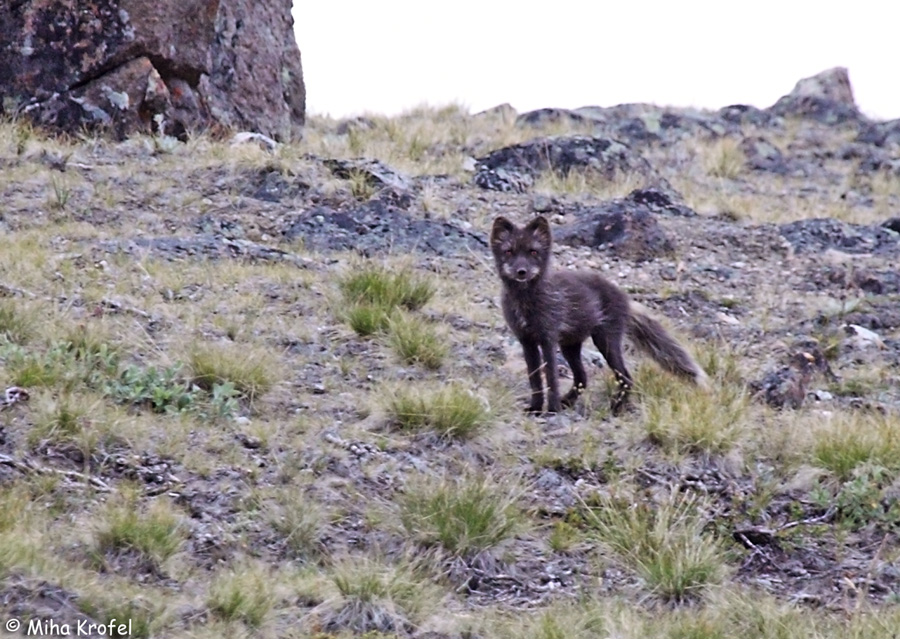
299 522
139 615
682 419
416 342
156 532
463 517
368 319
16 322
844 443
250 372
374 599
452 411
664 543
382 287
372 295
242 593
62 421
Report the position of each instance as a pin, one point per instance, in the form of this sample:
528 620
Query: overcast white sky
388 56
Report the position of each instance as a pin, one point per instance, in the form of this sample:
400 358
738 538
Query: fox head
521 254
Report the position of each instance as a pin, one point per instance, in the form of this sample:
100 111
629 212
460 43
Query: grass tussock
682 419
416 341
844 442
80 420
386 288
452 412
242 593
17 321
144 616
581 183
462 517
372 597
723 158
299 522
250 371
155 532
378 300
665 543
372 297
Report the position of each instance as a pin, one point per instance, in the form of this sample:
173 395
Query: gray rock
881 134
627 228
762 155
824 233
377 174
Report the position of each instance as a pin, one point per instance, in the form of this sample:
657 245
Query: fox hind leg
609 343
572 353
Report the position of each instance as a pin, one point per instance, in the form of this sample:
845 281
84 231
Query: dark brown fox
544 308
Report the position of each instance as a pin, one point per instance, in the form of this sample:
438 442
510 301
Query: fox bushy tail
652 338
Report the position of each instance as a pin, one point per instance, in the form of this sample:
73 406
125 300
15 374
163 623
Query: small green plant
61 194
452 411
63 365
223 401
861 500
664 543
242 593
161 390
463 517
416 342
361 185
154 532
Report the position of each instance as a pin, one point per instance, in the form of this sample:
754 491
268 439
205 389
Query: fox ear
540 227
501 229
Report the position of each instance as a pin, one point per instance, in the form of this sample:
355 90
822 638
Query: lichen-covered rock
152 65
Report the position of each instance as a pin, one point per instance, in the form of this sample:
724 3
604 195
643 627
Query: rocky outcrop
152 65
514 168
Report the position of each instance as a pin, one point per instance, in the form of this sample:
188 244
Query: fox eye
508 251
533 253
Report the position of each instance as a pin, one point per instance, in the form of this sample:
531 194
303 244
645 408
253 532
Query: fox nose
521 272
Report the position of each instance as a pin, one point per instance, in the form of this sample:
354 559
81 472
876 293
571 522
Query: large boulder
826 97
152 65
